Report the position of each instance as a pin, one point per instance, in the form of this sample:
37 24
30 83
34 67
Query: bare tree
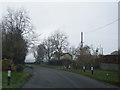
15 28
83 56
41 51
73 51
60 43
34 51
17 20
85 50
48 43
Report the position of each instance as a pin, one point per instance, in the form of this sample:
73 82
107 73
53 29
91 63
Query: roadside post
107 75
92 70
84 68
9 74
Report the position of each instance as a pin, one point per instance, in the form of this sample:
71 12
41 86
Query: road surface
52 78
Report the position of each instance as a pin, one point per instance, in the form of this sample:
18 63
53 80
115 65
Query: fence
109 62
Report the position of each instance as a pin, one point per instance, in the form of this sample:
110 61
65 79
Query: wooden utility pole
101 50
81 40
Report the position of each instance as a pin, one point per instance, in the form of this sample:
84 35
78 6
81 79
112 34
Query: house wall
106 66
109 62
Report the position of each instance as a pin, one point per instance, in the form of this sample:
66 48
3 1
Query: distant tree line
55 46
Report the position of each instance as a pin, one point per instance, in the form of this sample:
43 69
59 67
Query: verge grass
17 79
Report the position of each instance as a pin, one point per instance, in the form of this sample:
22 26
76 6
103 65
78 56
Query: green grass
98 74
17 79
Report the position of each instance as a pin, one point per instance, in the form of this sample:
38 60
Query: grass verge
102 75
18 79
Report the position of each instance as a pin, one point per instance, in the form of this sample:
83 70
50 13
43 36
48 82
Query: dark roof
114 53
66 53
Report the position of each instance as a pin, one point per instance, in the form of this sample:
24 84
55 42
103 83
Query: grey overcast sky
73 18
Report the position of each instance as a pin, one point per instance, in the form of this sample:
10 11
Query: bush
20 68
67 62
56 62
62 62
6 63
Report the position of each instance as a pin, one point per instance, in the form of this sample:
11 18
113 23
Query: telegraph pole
81 40
101 49
81 47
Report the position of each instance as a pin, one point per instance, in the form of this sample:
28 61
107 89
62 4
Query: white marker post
92 70
9 74
84 68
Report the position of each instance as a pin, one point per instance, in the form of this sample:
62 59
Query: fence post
84 68
92 70
9 74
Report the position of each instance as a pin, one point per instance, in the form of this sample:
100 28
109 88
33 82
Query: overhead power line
102 26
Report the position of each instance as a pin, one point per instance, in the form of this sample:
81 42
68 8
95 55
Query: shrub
66 62
56 62
6 63
19 68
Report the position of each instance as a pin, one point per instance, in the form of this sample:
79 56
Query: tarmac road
52 78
